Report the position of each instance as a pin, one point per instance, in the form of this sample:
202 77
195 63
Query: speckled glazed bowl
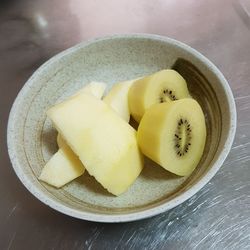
32 139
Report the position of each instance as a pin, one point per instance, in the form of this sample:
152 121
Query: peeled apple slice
105 143
117 98
63 167
96 89
60 141
173 135
163 86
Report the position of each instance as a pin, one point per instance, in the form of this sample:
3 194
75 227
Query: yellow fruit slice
163 86
117 98
96 89
63 167
173 134
105 143
60 141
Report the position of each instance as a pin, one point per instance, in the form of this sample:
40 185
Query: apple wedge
62 168
104 142
65 166
60 141
96 89
117 98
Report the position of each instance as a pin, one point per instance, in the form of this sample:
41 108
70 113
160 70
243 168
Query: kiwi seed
167 94
183 126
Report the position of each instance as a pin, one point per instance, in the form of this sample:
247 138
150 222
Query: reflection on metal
242 7
245 6
41 25
41 21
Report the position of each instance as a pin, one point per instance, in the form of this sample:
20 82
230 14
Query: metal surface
218 217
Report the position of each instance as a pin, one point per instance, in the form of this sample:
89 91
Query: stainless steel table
218 217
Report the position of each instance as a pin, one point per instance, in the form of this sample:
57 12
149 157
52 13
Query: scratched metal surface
218 217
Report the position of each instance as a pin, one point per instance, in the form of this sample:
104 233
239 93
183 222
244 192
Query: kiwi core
182 137
167 95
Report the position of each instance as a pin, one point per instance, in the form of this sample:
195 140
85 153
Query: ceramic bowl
32 139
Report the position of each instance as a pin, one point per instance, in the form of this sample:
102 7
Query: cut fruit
163 86
173 134
63 167
117 98
60 141
96 89
105 143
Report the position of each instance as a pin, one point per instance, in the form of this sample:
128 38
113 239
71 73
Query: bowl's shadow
90 183
133 123
49 140
152 170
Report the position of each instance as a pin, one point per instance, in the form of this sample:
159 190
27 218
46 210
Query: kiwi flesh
163 86
173 134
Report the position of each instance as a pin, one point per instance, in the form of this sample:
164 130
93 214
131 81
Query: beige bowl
32 139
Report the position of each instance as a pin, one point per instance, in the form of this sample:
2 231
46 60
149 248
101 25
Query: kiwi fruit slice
163 86
173 134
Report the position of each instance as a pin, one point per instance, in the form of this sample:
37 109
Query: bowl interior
112 60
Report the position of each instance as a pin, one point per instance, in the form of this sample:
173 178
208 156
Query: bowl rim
131 216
